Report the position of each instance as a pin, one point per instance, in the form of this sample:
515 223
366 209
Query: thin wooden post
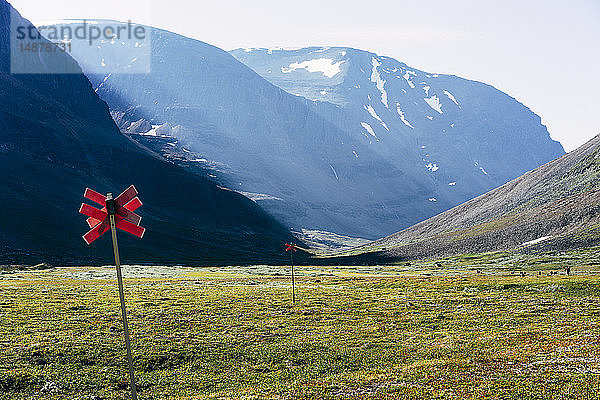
113 229
293 283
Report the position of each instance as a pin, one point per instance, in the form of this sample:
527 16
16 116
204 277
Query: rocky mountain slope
349 163
467 136
57 138
554 207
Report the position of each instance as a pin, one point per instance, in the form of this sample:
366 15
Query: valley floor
406 332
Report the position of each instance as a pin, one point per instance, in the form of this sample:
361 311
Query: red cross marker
115 213
291 247
125 219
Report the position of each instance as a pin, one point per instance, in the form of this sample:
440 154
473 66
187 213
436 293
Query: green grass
209 333
516 261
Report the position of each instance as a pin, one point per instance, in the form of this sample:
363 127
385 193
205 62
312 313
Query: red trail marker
115 213
124 206
291 247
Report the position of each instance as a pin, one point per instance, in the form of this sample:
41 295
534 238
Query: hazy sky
545 53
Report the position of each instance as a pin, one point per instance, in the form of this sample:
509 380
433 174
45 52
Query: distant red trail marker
115 213
292 248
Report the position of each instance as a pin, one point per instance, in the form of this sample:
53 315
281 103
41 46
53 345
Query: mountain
467 136
554 207
57 138
326 165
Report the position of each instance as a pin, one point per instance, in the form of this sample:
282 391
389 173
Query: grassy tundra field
414 331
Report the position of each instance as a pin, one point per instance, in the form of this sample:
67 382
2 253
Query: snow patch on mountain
374 115
334 172
451 97
368 128
402 118
258 196
536 241
434 102
103 81
407 78
379 82
432 167
326 66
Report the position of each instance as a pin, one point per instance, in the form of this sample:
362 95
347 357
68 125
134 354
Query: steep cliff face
349 151
57 138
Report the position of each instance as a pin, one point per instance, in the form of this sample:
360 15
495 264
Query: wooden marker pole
291 247
293 283
110 206
116 213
